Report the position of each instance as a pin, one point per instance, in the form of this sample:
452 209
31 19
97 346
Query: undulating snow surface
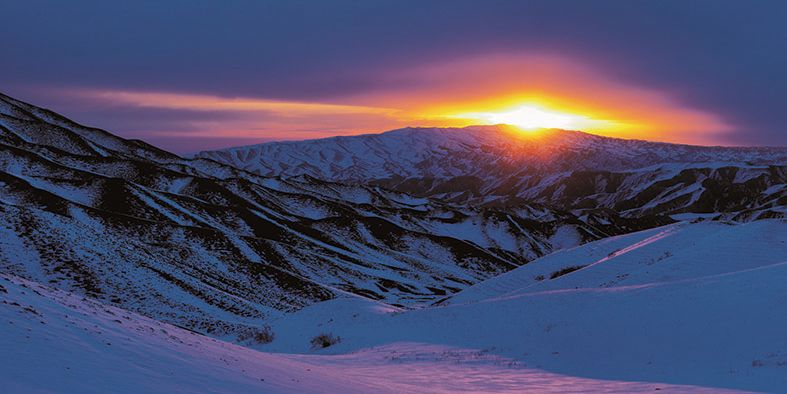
53 341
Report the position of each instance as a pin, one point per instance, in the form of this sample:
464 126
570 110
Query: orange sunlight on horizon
552 90
528 92
530 117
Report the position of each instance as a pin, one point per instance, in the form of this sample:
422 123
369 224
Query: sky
194 75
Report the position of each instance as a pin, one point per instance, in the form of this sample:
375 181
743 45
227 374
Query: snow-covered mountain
565 169
215 249
480 151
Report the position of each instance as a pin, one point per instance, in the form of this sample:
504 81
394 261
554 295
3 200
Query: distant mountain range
569 170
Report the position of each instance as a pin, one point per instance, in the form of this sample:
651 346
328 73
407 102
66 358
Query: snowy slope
698 304
54 341
681 251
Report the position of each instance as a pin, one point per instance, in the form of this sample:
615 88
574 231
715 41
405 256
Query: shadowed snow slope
65 343
699 304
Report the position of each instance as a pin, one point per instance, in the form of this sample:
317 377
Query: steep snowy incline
677 252
53 341
699 304
518 280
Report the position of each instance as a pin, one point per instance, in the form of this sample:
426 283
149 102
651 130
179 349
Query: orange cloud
215 103
251 117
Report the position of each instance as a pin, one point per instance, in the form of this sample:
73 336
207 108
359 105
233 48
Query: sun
530 117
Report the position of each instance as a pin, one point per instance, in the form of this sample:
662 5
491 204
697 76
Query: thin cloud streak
198 102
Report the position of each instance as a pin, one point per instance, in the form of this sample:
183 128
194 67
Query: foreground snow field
688 307
58 342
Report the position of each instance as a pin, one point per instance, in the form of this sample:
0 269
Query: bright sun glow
530 117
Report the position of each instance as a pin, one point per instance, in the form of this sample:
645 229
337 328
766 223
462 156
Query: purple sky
308 69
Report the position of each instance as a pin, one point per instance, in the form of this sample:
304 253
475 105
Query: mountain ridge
513 129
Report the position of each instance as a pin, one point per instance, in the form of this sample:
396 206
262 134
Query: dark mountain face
732 191
216 249
566 170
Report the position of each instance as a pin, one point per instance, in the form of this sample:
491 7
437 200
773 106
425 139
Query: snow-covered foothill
692 303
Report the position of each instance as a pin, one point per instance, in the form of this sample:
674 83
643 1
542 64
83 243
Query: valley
477 264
